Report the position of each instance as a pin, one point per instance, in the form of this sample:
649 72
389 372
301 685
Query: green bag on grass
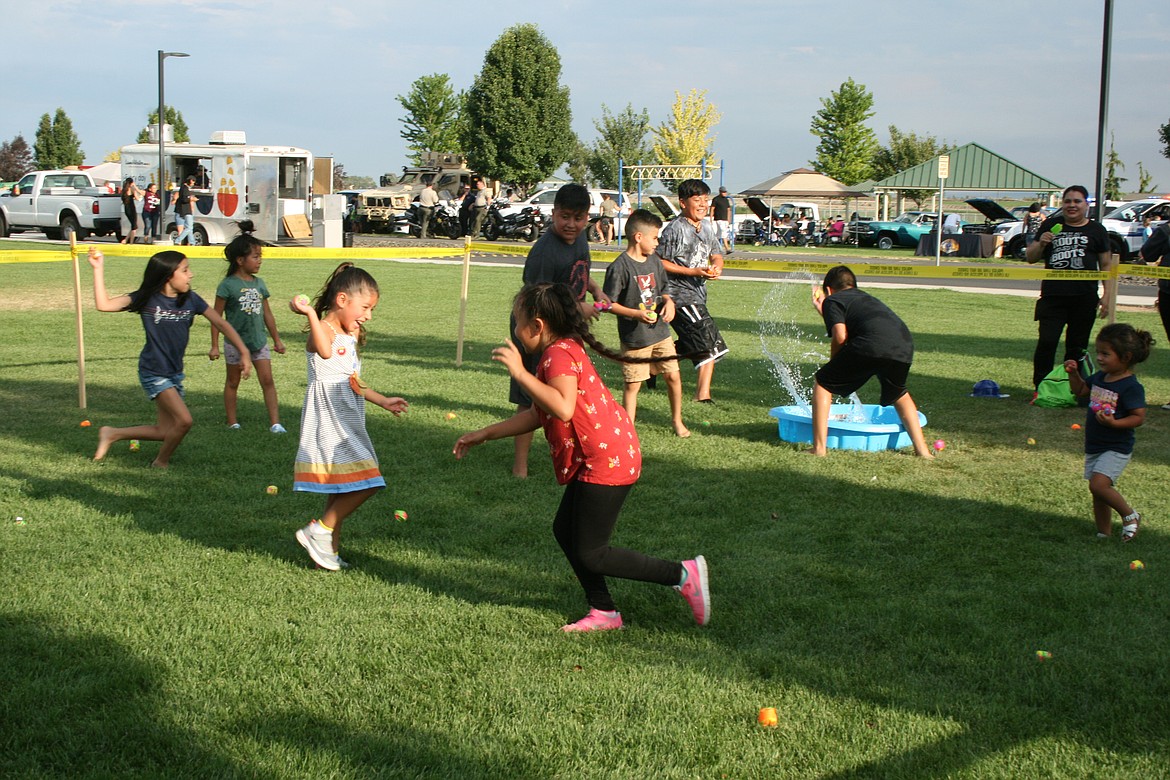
1054 391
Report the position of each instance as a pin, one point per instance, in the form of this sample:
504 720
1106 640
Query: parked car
1012 231
1124 224
544 201
905 230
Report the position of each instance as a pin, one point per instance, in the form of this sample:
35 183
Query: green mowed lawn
166 623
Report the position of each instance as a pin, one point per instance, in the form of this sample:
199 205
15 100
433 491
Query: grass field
166 624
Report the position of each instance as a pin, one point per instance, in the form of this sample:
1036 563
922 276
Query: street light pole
162 206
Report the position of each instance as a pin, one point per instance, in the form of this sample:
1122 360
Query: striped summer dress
335 453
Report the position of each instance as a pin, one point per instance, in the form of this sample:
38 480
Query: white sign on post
944 166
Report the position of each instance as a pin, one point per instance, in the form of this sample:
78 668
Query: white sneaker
234 427
318 543
278 428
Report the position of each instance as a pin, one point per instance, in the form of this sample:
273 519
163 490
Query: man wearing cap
721 213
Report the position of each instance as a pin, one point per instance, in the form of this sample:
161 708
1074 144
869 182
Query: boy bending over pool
868 340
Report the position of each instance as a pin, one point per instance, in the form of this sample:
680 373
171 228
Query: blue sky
325 76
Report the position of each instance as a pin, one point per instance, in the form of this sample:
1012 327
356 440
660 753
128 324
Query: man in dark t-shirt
1071 242
721 213
868 340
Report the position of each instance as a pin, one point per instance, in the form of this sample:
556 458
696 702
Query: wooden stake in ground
81 402
463 299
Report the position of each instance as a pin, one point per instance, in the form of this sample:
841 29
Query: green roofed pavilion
972 168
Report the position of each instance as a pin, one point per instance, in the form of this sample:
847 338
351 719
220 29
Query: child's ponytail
558 307
241 246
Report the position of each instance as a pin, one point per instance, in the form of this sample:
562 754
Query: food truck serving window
199 167
294 177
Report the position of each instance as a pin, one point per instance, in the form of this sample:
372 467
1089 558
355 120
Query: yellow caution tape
917 271
990 272
35 256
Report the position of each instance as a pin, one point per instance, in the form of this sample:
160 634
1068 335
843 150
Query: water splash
795 350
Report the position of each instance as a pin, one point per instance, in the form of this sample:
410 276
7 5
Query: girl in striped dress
336 456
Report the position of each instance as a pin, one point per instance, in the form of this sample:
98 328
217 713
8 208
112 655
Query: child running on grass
595 452
167 306
336 456
1117 405
242 298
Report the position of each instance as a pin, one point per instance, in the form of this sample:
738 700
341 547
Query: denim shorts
1109 463
153 385
231 355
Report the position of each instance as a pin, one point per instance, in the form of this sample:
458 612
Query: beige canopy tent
803 183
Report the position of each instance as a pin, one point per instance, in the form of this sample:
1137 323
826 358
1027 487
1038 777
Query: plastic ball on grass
1043 655
272 490
400 515
768 717
939 445
85 423
1136 565
1075 426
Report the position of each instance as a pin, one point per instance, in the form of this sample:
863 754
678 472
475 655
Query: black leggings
1164 310
1078 313
583 525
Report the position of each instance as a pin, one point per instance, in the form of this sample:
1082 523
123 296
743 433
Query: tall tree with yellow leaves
686 138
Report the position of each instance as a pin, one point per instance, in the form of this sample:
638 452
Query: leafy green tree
358 183
1113 182
621 137
578 164
1164 137
16 159
847 145
56 145
1145 180
518 118
686 138
433 110
905 151
174 118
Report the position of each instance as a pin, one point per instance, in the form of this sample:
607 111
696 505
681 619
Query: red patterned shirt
599 444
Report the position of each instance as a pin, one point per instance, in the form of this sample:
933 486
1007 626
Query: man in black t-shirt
1071 242
868 340
721 213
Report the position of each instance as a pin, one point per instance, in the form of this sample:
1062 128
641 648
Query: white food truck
234 181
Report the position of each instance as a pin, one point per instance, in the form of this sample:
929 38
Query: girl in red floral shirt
595 453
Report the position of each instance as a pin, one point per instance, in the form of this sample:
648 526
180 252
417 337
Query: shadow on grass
89 708
919 602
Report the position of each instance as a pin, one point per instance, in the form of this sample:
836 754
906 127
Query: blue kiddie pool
868 427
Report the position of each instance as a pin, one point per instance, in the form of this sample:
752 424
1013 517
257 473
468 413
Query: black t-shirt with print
1073 249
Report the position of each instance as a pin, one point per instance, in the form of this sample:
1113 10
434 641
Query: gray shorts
1109 463
231 355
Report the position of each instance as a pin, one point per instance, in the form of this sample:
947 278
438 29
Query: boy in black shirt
868 340
636 283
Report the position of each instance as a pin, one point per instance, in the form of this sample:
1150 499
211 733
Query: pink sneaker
596 620
694 590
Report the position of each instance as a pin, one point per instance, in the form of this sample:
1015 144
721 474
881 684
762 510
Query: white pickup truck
59 203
